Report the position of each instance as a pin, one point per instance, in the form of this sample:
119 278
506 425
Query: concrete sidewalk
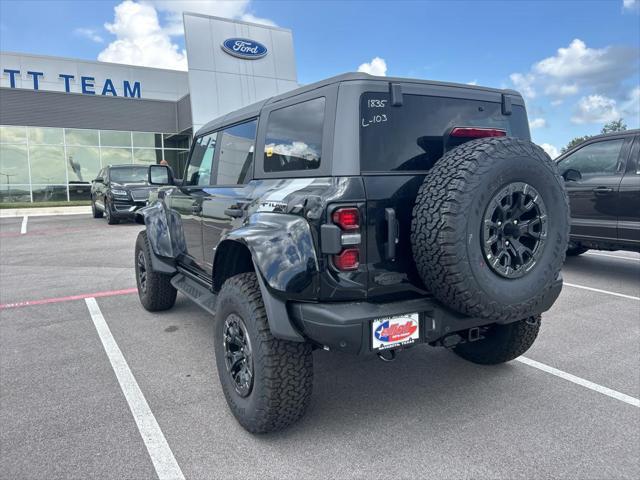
44 211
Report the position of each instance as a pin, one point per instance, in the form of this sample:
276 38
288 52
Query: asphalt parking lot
64 412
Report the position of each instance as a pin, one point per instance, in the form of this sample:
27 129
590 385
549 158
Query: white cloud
631 107
89 33
537 123
595 109
140 40
473 82
143 37
524 84
551 150
630 4
579 68
377 66
235 9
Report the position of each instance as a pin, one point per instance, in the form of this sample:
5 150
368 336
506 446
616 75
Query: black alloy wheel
238 355
142 271
514 230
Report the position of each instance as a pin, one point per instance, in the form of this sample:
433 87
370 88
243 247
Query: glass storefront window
14 167
112 138
49 193
10 134
177 160
45 136
75 136
115 156
14 193
47 164
83 163
147 155
173 140
147 140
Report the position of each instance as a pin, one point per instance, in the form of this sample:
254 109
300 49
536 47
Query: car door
224 206
594 196
629 208
188 198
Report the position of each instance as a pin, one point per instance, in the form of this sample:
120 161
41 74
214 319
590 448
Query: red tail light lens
472 132
349 259
346 218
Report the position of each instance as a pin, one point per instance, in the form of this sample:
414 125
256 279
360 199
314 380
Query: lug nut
499 223
507 243
515 222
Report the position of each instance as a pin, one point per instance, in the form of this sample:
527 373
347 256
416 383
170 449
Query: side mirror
160 175
572 175
98 180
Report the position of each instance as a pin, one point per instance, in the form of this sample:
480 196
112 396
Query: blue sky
577 62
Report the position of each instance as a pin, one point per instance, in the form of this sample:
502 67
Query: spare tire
490 228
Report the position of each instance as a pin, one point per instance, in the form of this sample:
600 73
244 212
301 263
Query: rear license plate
391 332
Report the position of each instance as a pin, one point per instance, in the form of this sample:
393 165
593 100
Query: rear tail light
348 259
475 132
347 218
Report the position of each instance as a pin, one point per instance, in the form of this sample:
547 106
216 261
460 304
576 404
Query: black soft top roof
254 109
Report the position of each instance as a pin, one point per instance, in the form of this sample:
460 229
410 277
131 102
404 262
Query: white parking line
23 228
615 294
581 381
621 257
161 455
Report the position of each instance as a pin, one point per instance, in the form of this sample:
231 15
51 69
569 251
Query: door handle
602 190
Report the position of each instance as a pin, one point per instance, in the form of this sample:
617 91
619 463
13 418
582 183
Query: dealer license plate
392 332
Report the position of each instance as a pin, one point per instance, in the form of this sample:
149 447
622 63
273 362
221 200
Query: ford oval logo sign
244 48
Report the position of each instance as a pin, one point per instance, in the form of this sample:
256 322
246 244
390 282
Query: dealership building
62 120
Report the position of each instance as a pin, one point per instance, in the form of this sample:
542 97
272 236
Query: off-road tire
94 210
158 294
501 343
446 231
111 220
282 370
573 250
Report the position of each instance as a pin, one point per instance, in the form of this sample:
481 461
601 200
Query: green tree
614 126
574 142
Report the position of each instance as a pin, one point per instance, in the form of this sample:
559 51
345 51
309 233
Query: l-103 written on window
294 137
236 154
199 170
413 136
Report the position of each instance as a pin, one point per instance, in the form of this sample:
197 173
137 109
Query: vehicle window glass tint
294 137
412 136
199 170
600 158
129 175
236 154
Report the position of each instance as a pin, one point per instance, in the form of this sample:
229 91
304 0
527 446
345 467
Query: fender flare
284 258
165 236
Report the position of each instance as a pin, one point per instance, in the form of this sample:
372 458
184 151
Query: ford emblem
244 48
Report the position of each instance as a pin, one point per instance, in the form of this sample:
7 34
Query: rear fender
282 249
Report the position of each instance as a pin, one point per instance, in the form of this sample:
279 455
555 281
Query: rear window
412 136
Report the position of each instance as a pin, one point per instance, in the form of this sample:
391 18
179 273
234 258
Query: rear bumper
347 326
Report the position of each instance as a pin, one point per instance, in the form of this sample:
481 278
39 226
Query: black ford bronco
359 214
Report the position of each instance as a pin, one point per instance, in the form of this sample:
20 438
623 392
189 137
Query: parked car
119 191
602 178
363 215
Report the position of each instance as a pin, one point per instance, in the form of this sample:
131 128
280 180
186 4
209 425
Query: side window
236 154
294 137
199 169
600 158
